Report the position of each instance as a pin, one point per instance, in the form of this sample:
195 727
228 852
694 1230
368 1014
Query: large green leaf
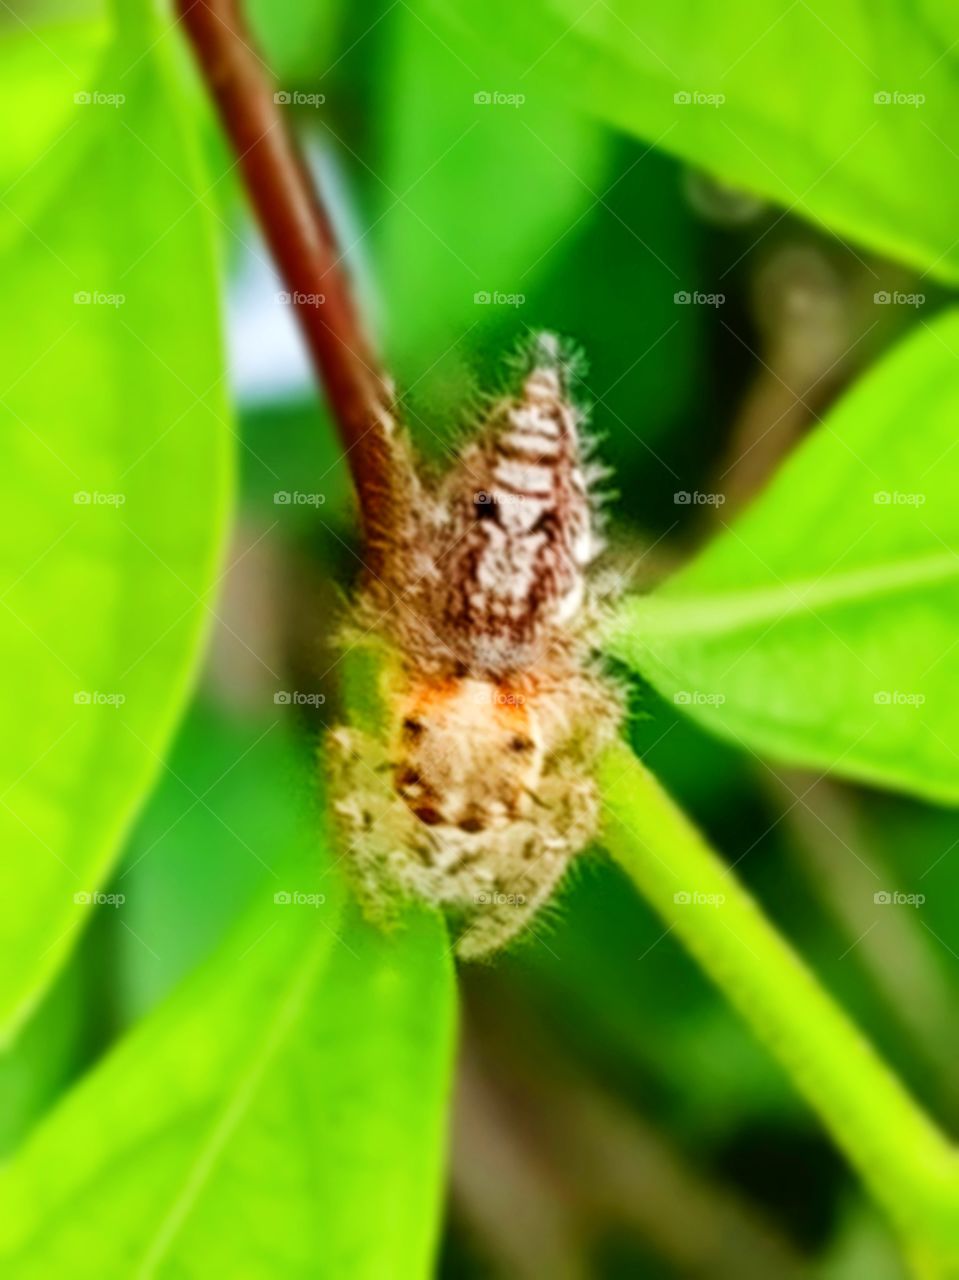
477 196
44 65
114 489
818 109
281 1115
821 627
200 846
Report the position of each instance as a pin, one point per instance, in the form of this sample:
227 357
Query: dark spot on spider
472 825
412 728
520 743
424 855
432 817
486 509
546 523
408 778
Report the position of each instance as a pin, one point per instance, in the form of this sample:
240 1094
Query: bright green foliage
280 1115
908 1164
484 193
40 78
820 627
845 116
268 1075
114 486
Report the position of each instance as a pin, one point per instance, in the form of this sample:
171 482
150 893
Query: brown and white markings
478 792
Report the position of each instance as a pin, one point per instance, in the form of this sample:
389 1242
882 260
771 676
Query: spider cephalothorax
477 791
469 754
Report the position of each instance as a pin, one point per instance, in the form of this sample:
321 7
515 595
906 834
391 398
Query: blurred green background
612 1117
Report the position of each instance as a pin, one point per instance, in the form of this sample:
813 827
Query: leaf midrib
662 615
237 1104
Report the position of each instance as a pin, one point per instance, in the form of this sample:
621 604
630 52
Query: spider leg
496 917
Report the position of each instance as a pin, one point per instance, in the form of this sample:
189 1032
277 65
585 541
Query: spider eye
520 743
412 728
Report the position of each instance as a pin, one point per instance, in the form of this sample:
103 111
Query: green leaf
51 1050
281 1115
199 848
775 96
477 194
114 484
820 629
907 1163
297 38
44 66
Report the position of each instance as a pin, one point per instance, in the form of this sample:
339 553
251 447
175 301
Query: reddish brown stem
299 233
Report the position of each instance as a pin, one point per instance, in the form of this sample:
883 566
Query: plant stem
300 235
906 1162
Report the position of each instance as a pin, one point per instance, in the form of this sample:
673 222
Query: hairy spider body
478 792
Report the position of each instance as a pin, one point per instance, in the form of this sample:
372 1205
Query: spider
477 793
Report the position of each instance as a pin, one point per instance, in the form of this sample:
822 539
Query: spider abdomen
520 530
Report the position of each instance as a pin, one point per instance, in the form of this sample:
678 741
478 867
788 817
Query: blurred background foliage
612 1117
